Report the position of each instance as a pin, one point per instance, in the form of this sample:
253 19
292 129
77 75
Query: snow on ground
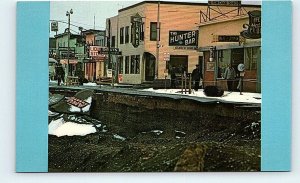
89 84
61 128
85 109
228 96
50 113
119 137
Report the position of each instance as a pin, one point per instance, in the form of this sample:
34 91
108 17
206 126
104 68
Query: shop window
131 37
122 35
251 58
153 31
137 64
132 63
142 32
127 65
224 58
127 34
121 65
113 41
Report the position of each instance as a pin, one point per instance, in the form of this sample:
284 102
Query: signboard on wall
226 38
183 38
210 66
224 3
253 29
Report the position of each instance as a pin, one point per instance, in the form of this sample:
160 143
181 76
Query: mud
149 134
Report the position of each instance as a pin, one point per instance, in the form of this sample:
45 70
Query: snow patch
119 137
61 128
50 113
157 132
228 96
90 84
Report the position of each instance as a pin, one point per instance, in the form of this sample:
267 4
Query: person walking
60 73
230 75
196 77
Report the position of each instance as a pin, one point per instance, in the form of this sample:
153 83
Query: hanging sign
136 22
253 29
241 67
54 26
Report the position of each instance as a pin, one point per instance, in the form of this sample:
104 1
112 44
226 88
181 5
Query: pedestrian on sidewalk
196 77
230 75
60 73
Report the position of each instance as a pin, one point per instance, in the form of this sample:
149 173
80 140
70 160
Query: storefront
226 46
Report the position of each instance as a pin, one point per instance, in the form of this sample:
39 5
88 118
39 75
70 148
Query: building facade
221 43
94 64
150 50
70 57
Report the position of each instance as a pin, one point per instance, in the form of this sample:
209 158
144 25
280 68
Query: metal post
157 41
181 83
241 87
190 84
184 82
68 55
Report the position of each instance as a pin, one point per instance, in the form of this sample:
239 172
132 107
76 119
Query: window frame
126 34
153 31
122 35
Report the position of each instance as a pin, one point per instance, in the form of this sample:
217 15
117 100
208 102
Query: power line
86 24
61 21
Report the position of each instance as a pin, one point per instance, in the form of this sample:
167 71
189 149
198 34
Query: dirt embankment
161 134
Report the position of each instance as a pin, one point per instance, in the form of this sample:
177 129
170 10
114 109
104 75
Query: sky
85 11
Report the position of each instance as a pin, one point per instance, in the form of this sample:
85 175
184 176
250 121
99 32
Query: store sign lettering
183 38
228 38
253 29
224 3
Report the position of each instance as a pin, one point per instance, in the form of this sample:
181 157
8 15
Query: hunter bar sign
253 29
183 38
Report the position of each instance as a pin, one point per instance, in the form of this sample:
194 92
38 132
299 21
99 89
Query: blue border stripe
276 85
32 86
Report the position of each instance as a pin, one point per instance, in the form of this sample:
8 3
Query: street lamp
68 14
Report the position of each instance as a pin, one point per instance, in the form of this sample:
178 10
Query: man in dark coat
196 76
60 73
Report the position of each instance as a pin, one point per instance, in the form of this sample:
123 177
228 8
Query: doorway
237 57
179 63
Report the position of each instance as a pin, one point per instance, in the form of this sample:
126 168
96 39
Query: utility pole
68 14
157 40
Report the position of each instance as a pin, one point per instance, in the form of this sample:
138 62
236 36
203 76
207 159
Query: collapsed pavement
137 133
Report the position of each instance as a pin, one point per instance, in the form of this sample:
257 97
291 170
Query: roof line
177 3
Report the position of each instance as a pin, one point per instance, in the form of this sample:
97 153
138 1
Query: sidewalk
252 99
232 97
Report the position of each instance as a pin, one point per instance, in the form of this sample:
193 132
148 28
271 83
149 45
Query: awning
71 61
52 60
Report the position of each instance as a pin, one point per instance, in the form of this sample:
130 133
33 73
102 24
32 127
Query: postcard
153 86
